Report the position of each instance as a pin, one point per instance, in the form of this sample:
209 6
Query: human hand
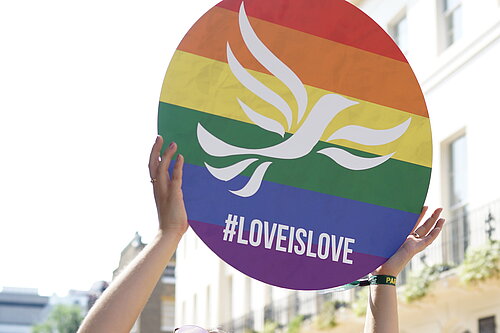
167 189
420 237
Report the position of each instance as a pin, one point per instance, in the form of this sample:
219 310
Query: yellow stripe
209 86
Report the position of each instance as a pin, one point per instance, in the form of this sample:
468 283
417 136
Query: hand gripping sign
306 137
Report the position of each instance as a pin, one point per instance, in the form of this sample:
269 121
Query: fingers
154 157
424 229
177 175
422 214
166 158
434 232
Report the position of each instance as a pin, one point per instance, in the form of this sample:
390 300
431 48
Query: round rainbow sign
306 137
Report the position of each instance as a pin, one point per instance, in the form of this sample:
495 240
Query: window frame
458 223
447 36
484 319
392 29
394 32
460 204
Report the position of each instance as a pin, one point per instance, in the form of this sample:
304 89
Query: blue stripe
378 231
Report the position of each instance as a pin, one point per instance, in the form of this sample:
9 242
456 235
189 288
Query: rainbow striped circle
306 136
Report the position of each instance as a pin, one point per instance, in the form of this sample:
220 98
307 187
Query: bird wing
368 136
276 67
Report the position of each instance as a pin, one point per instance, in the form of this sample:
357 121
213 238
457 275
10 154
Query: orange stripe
336 20
354 72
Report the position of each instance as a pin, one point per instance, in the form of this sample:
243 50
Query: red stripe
336 20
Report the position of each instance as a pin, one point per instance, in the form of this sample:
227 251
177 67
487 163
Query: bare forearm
382 310
120 305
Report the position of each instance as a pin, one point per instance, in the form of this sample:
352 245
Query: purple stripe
287 270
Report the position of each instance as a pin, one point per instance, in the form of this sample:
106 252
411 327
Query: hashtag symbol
230 229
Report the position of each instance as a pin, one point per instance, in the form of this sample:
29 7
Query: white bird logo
308 134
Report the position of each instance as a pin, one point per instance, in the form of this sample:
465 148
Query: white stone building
454 49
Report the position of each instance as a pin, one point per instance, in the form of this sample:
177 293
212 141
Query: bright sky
80 83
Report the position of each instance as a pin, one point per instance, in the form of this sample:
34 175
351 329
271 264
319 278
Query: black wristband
383 279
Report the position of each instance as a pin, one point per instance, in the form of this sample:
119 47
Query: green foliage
481 263
62 319
42 328
419 282
326 317
295 324
270 327
249 330
360 302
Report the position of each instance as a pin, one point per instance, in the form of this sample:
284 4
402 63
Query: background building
159 313
454 49
20 309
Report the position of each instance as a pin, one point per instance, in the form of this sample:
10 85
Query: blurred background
80 83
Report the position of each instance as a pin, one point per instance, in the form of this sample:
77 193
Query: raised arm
382 311
120 305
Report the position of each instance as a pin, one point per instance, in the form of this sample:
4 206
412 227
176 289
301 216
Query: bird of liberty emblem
306 136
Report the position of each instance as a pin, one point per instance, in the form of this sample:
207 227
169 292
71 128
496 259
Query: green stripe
395 184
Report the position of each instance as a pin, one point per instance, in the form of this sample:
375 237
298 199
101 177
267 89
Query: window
183 312
227 298
248 294
208 314
458 172
167 313
452 21
399 31
230 296
195 308
458 224
168 276
487 325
